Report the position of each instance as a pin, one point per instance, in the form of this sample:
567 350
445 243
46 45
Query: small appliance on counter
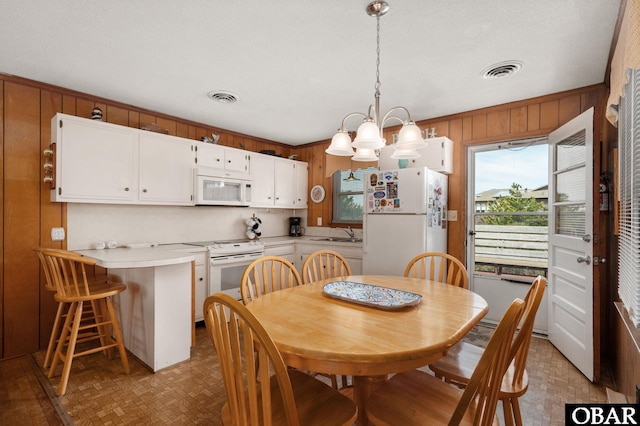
254 230
295 227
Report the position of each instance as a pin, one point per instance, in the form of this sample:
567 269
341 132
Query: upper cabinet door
210 155
302 183
95 161
236 160
166 169
285 183
223 158
262 172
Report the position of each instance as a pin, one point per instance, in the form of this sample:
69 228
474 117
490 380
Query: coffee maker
295 228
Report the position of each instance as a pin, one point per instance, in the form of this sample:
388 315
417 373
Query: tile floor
99 393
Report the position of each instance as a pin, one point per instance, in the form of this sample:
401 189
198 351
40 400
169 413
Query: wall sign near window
317 194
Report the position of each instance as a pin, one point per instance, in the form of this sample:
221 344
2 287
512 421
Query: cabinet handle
126 189
144 190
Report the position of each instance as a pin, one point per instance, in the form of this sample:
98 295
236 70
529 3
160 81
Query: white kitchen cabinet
166 170
262 187
224 158
285 187
351 253
302 182
437 156
287 251
278 182
95 161
98 162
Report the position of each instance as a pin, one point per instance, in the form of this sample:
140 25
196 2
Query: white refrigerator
405 214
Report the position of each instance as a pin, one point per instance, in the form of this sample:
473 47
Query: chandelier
369 137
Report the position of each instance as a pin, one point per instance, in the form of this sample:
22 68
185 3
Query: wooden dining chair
320 265
271 394
418 398
68 272
440 267
458 365
272 273
267 274
323 264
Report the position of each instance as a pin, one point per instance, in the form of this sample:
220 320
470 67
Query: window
348 196
629 198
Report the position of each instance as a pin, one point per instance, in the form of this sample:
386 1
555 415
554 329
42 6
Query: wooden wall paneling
192 132
479 124
467 128
84 107
21 218
441 128
167 124
568 108
533 117
455 132
498 123
626 368
117 115
51 214
68 105
518 120
201 131
182 130
591 99
134 119
250 144
2 202
549 115
146 118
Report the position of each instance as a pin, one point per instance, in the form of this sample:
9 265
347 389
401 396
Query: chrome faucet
351 233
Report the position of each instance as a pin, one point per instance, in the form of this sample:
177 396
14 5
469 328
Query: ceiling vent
223 97
502 69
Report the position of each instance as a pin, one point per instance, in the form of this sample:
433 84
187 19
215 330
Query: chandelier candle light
369 137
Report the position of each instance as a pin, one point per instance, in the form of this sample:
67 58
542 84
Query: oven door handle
225 260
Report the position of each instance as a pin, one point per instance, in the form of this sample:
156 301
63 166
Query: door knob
586 260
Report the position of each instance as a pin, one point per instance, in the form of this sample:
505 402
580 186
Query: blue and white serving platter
371 295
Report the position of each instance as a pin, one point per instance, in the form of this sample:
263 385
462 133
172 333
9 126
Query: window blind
629 197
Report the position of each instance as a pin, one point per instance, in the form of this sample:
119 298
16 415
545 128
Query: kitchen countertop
137 257
306 239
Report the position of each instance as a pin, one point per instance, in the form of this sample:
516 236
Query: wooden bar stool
67 270
61 312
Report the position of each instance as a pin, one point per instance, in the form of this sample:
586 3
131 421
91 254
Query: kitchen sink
341 240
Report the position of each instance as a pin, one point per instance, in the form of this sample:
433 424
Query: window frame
337 193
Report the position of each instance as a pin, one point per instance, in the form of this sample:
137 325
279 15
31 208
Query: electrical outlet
57 234
319 221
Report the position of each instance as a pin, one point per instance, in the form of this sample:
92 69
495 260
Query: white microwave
216 187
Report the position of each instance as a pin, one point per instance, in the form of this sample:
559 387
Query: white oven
227 262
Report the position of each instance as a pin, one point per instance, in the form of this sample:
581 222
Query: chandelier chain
377 53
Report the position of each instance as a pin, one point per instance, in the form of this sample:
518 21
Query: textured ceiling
298 67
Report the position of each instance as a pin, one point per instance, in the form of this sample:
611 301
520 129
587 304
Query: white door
570 280
508 224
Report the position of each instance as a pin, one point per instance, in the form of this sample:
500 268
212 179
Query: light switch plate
452 215
57 234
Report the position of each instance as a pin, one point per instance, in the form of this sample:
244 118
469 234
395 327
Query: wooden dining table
319 333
